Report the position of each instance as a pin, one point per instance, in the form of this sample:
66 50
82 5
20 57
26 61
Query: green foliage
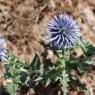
11 88
47 72
13 68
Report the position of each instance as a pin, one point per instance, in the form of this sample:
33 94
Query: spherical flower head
3 49
63 31
3 54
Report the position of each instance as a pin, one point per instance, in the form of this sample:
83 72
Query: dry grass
23 22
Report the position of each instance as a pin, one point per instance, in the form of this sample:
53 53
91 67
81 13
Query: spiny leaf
11 88
48 82
39 78
90 62
64 82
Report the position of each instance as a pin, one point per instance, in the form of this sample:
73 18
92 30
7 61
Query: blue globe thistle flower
63 31
3 55
3 50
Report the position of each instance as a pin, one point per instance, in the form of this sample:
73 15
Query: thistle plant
63 33
63 36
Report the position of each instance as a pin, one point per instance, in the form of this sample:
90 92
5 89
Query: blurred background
24 22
